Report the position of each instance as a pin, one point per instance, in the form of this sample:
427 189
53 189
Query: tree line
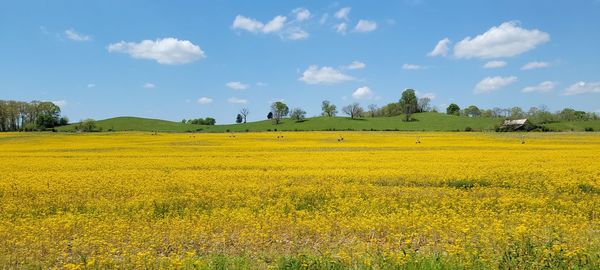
409 104
30 116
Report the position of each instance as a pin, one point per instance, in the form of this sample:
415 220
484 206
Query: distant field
425 122
299 200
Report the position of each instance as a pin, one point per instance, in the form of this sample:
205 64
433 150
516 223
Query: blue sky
190 59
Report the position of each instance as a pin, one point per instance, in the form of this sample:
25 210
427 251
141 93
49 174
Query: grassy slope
137 124
425 121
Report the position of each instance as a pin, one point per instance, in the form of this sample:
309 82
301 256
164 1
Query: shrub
468 129
589 129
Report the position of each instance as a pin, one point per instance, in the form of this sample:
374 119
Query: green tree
298 114
472 111
408 103
328 108
453 109
279 110
239 118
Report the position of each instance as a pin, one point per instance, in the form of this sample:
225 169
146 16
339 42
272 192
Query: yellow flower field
303 200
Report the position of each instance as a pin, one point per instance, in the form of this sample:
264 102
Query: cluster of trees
536 114
200 121
409 103
28 116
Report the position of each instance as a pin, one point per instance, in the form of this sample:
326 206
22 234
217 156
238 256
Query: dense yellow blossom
300 200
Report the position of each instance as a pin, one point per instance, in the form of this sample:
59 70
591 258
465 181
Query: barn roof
515 122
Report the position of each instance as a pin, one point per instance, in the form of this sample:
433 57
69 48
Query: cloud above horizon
506 40
491 84
324 75
167 51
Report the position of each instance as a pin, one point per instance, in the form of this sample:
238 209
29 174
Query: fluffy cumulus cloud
274 25
237 85
412 67
582 88
491 84
73 35
342 13
356 65
441 49
168 51
278 25
204 100
248 24
365 26
494 64
324 75
149 85
534 65
542 87
505 40
301 14
363 93
235 100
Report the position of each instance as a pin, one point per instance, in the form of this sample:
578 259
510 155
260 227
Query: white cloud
541 87
534 65
342 13
149 85
356 65
204 100
441 49
275 24
494 64
301 14
425 95
73 35
295 33
363 93
235 100
365 26
91 85
582 88
412 67
341 28
491 84
324 75
237 85
60 103
506 40
169 51
248 24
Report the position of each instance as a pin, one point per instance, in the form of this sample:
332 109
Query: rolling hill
425 122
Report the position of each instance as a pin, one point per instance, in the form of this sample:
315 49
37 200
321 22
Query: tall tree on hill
453 109
408 103
239 118
244 112
328 108
279 110
354 110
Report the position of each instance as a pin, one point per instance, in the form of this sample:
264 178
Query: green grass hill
424 122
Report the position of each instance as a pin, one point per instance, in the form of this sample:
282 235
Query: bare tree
424 104
372 109
244 112
354 110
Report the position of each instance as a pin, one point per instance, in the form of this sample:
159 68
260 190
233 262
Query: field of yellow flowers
305 200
